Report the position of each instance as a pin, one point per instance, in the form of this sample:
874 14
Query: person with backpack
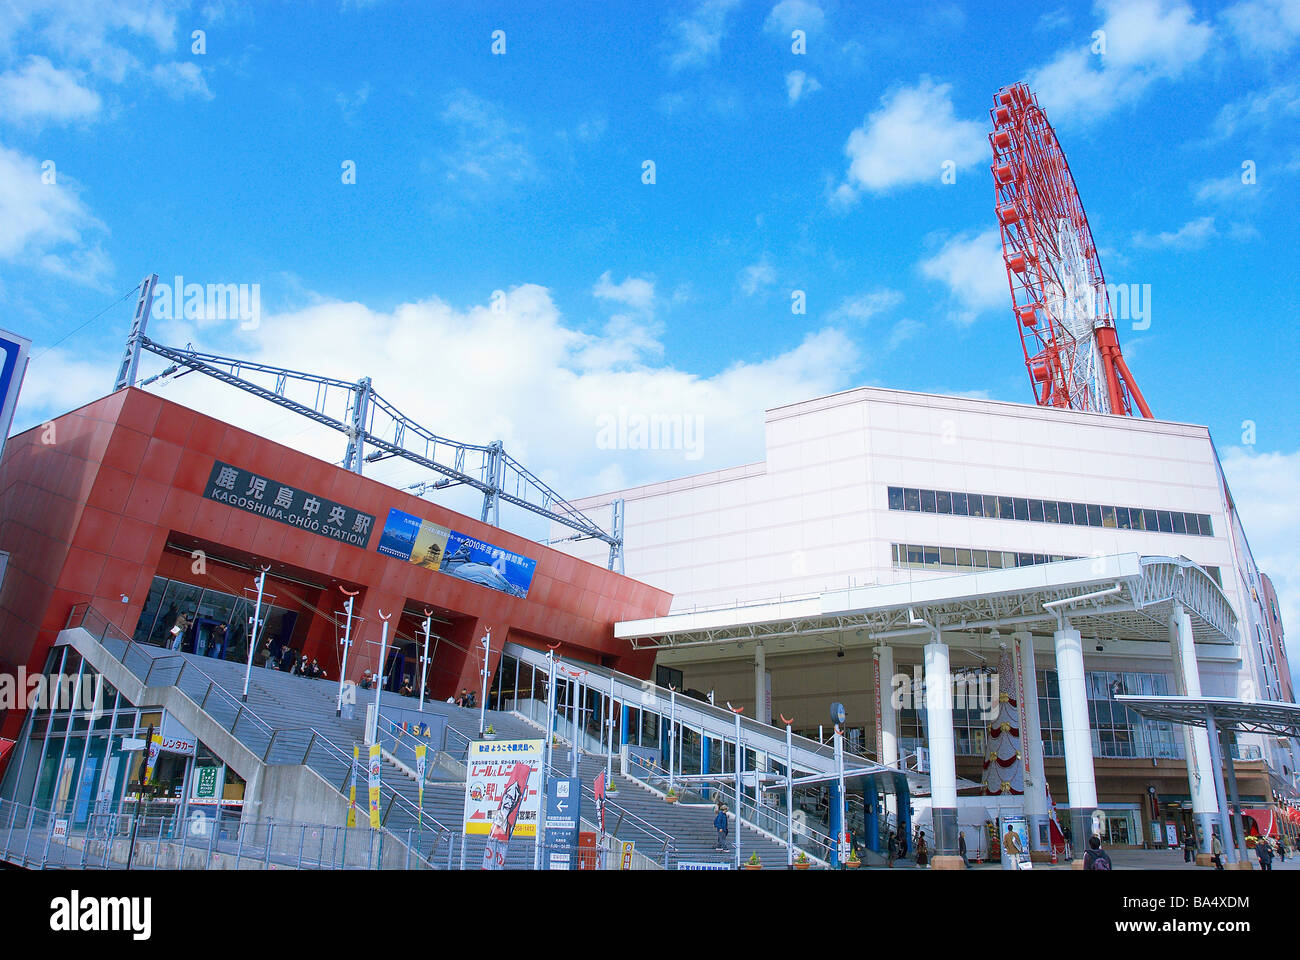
1095 858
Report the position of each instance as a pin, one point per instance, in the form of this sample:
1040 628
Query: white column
943 758
1077 734
886 718
1196 742
1036 811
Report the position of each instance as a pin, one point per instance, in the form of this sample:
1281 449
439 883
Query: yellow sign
352 790
430 545
626 863
375 763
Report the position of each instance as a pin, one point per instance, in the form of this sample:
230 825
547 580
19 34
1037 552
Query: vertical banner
374 785
880 732
503 821
352 790
599 791
155 747
420 751
1020 700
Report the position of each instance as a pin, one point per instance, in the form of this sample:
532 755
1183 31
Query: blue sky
774 172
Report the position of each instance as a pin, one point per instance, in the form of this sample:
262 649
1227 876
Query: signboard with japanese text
208 783
563 821
492 778
375 766
269 498
435 547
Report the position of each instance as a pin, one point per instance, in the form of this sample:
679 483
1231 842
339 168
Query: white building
875 486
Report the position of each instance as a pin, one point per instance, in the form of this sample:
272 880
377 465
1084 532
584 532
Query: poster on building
880 732
375 764
435 547
491 768
256 493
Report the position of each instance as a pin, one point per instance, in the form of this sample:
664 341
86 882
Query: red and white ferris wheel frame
1058 291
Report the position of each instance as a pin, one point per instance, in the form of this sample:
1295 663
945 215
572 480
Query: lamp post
740 755
789 791
424 660
347 645
672 732
252 640
547 750
379 687
487 650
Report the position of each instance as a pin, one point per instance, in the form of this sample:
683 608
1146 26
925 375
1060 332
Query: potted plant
490 733
611 786
801 861
671 795
853 862
753 863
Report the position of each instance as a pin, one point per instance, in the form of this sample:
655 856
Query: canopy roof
1273 717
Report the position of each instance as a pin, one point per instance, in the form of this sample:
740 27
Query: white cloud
798 83
972 268
864 306
1265 26
521 373
1145 41
908 140
698 37
635 292
790 15
1191 235
181 79
1264 488
1258 110
489 148
757 276
40 91
46 224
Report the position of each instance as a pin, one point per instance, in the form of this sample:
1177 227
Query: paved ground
1151 860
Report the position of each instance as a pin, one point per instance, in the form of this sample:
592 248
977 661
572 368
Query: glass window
932 556
1149 520
1020 506
976 505
1080 514
979 559
1094 515
1024 559
990 506
1207 527
1065 512
927 501
1049 511
1108 517
893 553
911 499
963 557
1122 518
1180 522
1036 510
959 504
1164 521
895 498
948 556
915 554
995 559
944 501
1006 508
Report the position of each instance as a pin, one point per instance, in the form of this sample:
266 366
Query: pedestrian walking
891 849
1216 851
961 847
922 851
1095 858
1011 850
1189 847
1281 848
720 824
1264 851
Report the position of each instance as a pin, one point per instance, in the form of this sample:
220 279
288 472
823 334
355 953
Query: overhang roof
1138 595
1272 717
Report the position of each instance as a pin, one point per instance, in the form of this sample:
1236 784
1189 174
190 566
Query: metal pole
672 736
347 645
424 661
548 753
839 773
379 687
1229 740
1216 764
609 724
482 705
789 793
740 757
573 719
252 641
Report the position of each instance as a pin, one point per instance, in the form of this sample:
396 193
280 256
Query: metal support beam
126 373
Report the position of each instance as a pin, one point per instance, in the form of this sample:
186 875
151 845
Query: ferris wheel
1058 292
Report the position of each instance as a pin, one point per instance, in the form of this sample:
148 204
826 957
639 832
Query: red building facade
140 507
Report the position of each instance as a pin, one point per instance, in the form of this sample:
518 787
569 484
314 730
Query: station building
152 521
812 577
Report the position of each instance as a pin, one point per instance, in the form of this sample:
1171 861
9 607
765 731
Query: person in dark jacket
1264 850
1189 847
720 824
961 847
1095 858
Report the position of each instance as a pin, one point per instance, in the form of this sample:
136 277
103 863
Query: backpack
1098 861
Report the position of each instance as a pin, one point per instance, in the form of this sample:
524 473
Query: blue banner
435 547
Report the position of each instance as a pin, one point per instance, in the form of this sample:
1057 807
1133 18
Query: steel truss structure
1058 291
373 424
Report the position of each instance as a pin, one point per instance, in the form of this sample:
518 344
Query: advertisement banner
599 791
506 816
435 547
880 731
352 790
375 764
155 747
420 752
492 772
